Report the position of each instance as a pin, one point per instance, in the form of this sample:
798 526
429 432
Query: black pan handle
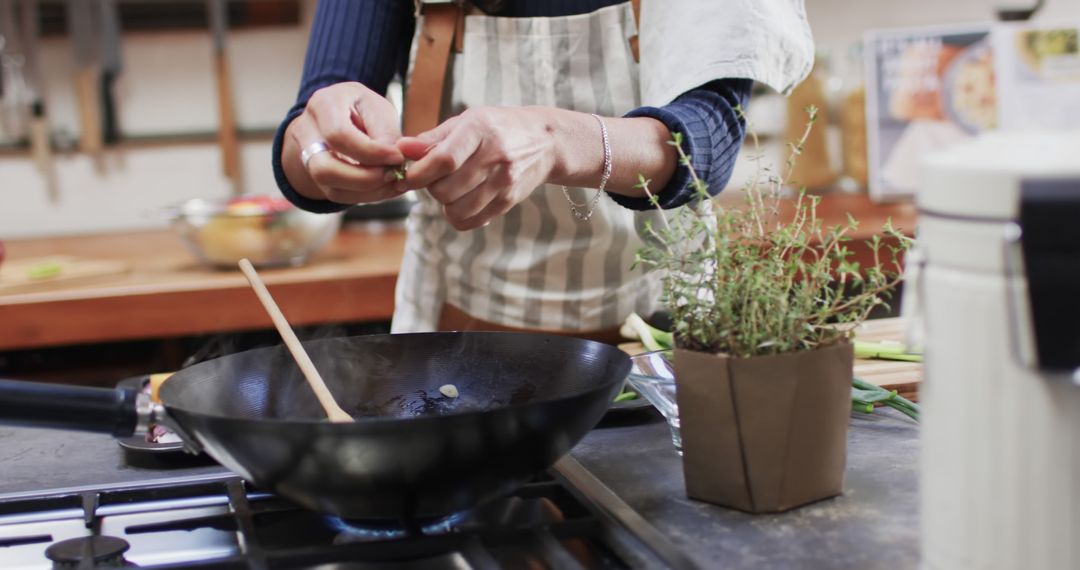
35 404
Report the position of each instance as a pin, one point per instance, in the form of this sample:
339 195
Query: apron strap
424 97
443 25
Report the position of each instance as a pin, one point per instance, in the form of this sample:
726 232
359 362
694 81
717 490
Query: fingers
493 197
414 148
377 117
330 172
498 204
350 196
460 182
338 179
331 111
445 157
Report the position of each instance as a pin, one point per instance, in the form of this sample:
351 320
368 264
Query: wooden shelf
130 142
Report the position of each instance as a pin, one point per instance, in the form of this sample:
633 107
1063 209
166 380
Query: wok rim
412 420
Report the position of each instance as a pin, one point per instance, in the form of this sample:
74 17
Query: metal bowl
221 233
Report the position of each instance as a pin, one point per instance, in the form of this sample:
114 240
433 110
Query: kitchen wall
168 87
837 23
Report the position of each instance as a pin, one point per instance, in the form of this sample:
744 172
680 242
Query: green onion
885 351
625 396
864 393
652 337
44 270
861 406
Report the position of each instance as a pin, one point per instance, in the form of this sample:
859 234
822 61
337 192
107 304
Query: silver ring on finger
311 150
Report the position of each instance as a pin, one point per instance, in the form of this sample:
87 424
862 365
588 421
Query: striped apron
537 267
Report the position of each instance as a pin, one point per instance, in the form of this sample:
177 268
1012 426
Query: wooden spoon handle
333 410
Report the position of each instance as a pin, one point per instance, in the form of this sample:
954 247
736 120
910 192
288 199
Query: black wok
413 453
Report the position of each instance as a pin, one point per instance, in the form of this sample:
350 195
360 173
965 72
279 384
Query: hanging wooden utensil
40 143
13 97
227 137
111 65
84 29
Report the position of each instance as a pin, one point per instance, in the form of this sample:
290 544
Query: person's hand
481 163
360 128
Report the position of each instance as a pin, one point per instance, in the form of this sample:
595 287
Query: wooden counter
166 293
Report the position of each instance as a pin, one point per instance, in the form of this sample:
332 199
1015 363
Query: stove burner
92 551
216 521
371 531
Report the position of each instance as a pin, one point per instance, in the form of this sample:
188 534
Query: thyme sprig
749 281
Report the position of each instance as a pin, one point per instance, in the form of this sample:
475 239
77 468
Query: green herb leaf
766 277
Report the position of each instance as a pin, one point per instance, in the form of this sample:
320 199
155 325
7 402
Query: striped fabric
536 267
368 41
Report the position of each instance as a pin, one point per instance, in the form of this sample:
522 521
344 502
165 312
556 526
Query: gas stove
565 518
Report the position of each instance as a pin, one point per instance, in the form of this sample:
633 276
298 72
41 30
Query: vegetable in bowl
269 231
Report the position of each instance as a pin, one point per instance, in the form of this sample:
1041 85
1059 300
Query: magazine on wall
930 88
1038 71
927 89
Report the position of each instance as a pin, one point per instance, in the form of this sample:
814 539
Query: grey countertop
873 525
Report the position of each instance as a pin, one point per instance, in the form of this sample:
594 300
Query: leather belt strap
443 26
636 6
452 318
424 97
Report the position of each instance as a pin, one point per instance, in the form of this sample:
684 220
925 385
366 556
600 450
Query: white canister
1000 485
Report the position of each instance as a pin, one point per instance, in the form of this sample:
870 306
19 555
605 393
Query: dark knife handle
36 404
110 130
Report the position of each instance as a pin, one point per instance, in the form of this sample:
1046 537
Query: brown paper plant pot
764 434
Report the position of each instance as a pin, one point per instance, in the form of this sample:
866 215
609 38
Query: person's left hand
481 163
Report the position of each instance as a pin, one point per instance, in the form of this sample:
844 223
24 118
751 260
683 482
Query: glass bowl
268 231
653 376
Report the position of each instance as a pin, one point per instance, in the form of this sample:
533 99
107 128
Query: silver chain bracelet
575 208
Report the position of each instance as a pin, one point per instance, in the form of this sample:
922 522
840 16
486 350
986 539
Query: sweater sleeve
712 133
351 40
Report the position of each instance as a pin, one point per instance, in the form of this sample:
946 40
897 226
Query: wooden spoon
333 410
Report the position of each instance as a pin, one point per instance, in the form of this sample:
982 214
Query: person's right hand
360 128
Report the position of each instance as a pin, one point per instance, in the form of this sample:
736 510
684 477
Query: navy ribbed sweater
368 41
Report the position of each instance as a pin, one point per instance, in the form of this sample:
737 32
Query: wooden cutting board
904 377
16 275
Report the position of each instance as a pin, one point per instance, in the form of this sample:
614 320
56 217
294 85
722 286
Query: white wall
168 87
837 23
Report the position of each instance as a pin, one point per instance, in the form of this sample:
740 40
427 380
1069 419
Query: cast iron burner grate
566 519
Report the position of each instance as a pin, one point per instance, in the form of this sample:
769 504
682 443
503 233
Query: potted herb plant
763 305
